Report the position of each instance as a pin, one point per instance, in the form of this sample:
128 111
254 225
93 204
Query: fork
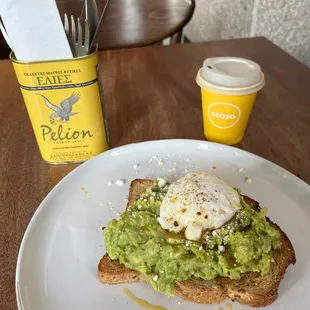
75 36
67 31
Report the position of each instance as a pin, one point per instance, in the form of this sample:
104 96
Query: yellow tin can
64 103
229 86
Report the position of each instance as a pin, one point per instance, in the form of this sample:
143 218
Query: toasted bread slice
252 289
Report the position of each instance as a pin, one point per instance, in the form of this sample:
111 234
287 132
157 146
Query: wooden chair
132 23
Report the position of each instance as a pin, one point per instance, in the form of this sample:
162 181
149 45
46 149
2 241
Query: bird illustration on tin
65 110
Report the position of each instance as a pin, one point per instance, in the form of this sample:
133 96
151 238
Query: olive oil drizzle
141 302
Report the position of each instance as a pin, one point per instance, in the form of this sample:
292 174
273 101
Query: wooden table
150 93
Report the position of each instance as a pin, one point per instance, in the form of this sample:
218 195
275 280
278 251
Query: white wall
284 22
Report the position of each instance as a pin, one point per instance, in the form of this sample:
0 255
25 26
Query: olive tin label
64 105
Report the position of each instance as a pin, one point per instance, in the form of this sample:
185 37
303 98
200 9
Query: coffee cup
229 86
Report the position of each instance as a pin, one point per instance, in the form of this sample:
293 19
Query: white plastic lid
230 75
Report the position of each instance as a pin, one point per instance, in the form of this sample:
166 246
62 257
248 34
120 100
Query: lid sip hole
209 67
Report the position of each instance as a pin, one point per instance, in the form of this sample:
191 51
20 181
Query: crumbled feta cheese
221 248
162 182
247 180
160 161
120 182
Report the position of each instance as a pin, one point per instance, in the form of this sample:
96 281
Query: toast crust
252 289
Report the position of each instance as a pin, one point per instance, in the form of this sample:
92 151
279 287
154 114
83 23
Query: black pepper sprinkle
176 224
103 228
206 216
198 213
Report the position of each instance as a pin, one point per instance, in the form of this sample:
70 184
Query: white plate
62 246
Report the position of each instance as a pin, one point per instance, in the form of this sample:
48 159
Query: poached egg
197 202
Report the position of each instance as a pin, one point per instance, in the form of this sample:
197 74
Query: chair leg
176 38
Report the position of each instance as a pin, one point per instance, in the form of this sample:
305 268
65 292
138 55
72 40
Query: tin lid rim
14 60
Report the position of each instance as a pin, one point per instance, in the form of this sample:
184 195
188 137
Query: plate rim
39 209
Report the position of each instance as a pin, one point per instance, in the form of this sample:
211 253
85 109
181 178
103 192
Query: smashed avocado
244 244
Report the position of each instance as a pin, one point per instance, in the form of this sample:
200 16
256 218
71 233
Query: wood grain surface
150 93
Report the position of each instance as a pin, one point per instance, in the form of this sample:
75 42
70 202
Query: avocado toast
255 288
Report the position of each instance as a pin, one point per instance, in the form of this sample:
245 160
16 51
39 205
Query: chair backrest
131 23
